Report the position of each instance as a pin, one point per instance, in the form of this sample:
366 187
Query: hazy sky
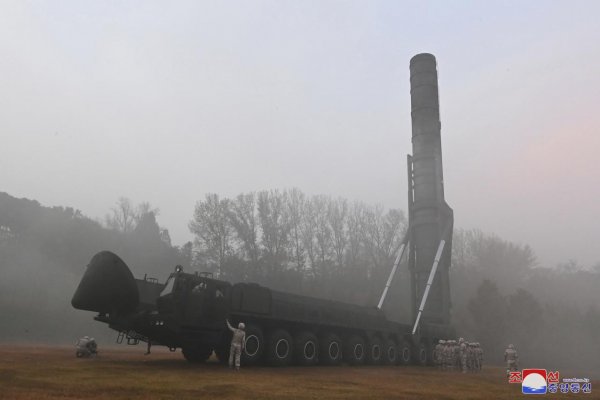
167 101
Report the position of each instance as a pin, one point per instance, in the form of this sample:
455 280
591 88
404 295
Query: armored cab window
199 288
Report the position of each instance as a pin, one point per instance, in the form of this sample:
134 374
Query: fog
319 246
168 104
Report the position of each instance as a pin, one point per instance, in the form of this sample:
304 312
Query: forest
314 245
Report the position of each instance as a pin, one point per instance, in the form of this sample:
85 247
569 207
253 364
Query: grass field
45 372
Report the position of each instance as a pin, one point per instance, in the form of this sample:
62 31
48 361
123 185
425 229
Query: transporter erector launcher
188 311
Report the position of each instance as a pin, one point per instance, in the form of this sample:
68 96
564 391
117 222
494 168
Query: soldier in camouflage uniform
456 355
238 340
449 355
480 356
512 359
469 356
463 354
477 366
438 353
475 361
446 355
453 354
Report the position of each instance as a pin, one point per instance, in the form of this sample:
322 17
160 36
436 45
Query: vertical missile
430 218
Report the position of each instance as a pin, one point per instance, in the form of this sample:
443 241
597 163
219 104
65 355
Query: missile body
430 218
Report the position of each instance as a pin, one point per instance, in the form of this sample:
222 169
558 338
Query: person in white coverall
237 344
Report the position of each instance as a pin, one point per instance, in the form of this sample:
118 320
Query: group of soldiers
458 355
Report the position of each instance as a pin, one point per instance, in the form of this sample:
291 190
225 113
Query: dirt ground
45 372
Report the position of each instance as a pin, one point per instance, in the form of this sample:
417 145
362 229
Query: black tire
280 348
390 353
374 354
404 353
421 355
254 346
306 348
196 353
354 350
330 349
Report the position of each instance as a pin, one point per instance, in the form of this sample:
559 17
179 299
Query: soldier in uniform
454 358
438 353
463 354
475 357
238 340
449 355
479 355
456 355
446 355
472 358
469 356
512 359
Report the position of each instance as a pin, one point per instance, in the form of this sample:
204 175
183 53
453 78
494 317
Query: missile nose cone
107 286
422 57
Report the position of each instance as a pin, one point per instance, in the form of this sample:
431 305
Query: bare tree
275 227
244 220
296 208
308 230
123 217
338 216
212 229
145 208
394 228
322 233
356 222
382 235
373 235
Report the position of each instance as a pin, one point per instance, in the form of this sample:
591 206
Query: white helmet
510 346
241 326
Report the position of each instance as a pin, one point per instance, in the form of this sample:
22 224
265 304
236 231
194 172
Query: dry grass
54 373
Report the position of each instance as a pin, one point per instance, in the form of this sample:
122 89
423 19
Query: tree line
332 248
43 255
313 245
308 244
501 295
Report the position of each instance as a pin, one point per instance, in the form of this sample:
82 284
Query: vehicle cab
194 300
